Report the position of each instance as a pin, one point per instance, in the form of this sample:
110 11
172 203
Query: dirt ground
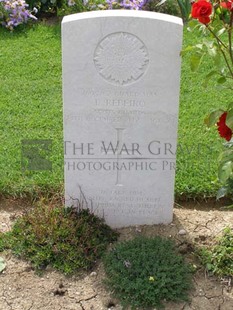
22 289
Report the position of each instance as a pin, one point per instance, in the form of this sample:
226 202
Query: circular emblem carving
121 58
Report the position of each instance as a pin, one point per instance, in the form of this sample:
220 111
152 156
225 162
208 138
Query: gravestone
121 72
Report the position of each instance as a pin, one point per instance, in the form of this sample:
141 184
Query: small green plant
218 259
178 8
185 9
146 271
3 241
67 239
167 7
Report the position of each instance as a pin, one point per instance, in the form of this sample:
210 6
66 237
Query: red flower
224 131
202 10
227 5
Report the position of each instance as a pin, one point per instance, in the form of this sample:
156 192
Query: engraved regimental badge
121 58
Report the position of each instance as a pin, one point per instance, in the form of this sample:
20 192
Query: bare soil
22 289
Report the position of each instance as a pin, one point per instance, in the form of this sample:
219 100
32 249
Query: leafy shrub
66 7
45 5
75 6
185 9
218 259
3 241
144 272
114 4
168 7
64 238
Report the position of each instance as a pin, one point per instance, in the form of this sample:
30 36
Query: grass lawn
31 108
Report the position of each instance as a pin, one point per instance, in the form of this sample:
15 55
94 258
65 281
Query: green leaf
2 264
218 11
208 77
209 266
212 51
192 24
217 60
200 46
221 192
220 32
227 155
195 61
187 49
222 80
213 117
225 171
208 44
230 106
229 119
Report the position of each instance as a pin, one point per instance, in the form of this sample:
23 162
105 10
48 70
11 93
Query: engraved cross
116 150
119 142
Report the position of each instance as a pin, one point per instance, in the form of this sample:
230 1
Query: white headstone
121 72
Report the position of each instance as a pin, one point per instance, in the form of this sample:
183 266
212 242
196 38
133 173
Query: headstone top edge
122 13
